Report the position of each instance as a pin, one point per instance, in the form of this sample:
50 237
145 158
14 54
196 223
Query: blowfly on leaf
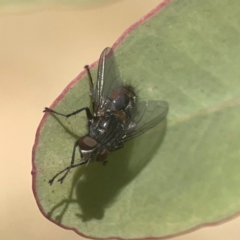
114 117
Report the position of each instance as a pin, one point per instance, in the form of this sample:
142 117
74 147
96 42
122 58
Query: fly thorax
100 126
107 106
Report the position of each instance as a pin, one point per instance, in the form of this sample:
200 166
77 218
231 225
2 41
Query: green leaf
183 173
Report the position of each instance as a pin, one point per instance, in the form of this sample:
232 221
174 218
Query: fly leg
91 85
88 113
67 169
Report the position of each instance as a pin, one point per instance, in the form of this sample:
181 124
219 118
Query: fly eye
87 143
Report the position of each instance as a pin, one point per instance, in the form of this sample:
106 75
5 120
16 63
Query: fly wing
108 78
148 115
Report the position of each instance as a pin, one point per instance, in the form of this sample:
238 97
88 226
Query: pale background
41 51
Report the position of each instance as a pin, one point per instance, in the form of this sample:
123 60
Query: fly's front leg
71 164
91 85
67 169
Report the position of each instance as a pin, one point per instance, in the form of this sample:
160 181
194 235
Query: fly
115 117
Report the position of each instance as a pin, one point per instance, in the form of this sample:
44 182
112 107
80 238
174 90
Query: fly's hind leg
90 85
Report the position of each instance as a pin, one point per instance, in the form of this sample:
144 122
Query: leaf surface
183 173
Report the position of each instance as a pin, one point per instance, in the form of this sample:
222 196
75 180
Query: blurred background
42 48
